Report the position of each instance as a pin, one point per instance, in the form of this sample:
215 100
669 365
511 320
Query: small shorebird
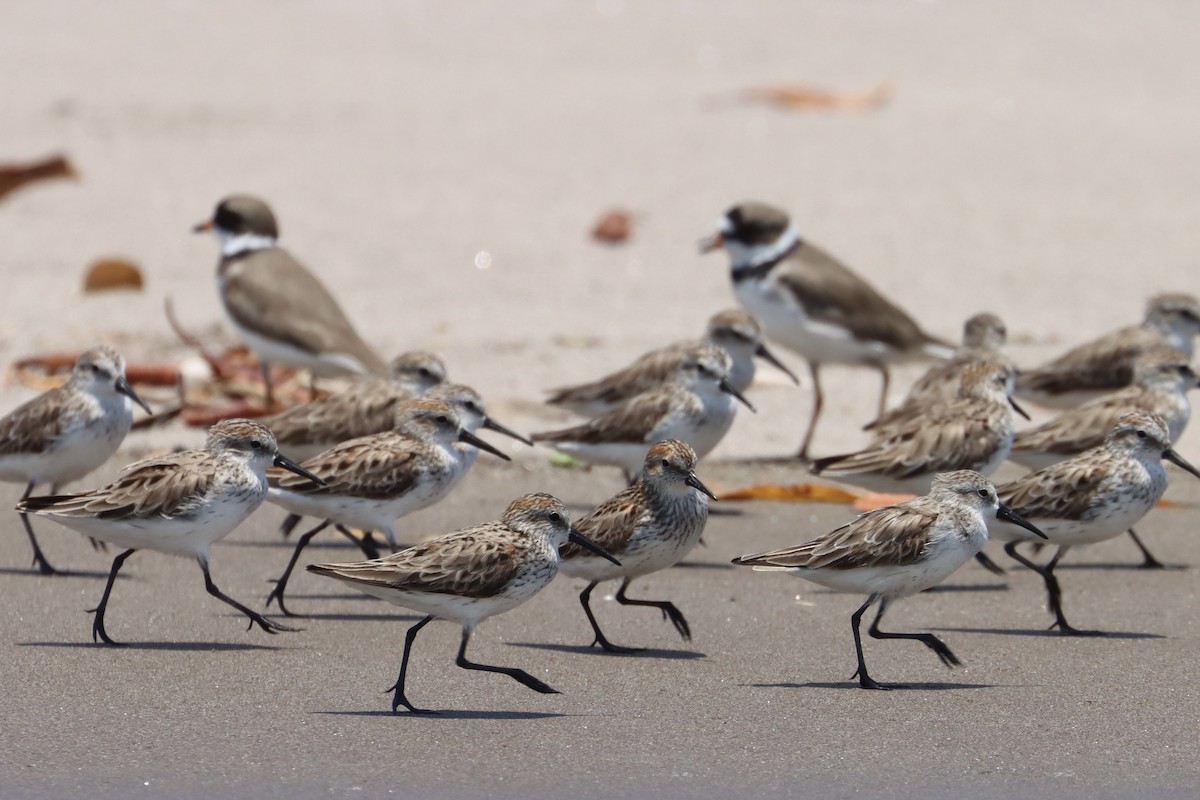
177 504
1094 496
983 337
808 301
1106 364
471 410
974 431
696 406
371 481
367 406
279 308
650 526
65 433
896 551
469 575
733 330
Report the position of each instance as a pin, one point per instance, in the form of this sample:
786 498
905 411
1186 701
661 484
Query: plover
808 301
649 527
896 551
371 481
1106 364
696 406
177 504
974 431
468 576
733 330
65 433
279 308
1091 497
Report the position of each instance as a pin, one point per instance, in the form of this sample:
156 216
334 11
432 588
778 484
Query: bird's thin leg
289 524
1148 559
584 600
668 609
366 542
398 699
39 558
864 680
1053 590
98 622
519 675
814 370
886 378
282 581
267 625
988 564
928 639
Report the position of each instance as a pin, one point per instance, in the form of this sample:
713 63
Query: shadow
725 511
938 686
968 587
440 715
582 649
160 646
1137 567
1053 633
703 565
352 617
33 573
346 596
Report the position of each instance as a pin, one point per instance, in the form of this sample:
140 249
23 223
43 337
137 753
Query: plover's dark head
239 215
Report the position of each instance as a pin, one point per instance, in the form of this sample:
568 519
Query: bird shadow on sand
182 647
335 617
82 573
930 686
1053 633
967 587
583 649
703 565
443 715
1127 566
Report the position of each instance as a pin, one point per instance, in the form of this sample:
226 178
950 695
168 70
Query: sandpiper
371 481
650 526
896 551
469 575
279 308
697 406
1106 363
65 433
177 504
808 301
733 330
1091 497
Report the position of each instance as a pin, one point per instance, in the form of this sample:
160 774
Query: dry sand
1036 160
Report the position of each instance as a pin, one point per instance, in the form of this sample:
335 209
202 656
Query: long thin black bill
769 357
1008 515
124 388
285 462
475 441
694 482
492 425
729 388
581 540
1018 408
1170 455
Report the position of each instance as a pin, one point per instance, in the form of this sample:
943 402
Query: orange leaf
792 493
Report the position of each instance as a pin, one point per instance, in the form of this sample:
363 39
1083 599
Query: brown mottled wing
1080 428
1060 491
642 375
884 537
468 563
358 411
152 488
630 422
32 426
829 292
1104 363
270 292
381 465
612 523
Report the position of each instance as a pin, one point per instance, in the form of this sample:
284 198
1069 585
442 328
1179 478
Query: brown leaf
613 226
800 96
112 273
793 493
14 176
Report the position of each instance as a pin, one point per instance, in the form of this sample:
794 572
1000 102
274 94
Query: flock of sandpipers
401 437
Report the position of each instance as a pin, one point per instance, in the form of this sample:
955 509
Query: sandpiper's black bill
285 462
729 388
1008 515
492 425
710 243
769 357
1170 455
581 540
124 388
694 482
475 441
1017 408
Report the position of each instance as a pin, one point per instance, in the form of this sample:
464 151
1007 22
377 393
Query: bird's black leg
988 564
864 680
39 558
366 542
98 622
289 524
584 600
1148 559
1053 590
281 582
814 370
267 625
668 609
519 675
398 687
928 639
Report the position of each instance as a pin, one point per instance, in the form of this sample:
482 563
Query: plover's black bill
1017 408
285 462
475 441
492 425
581 540
1008 515
1170 455
729 388
694 482
769 357
124 388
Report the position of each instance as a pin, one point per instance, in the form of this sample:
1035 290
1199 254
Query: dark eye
984 493
555 516
666 463
1141 434
424 373
96 369
255 444
442 418
473 408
